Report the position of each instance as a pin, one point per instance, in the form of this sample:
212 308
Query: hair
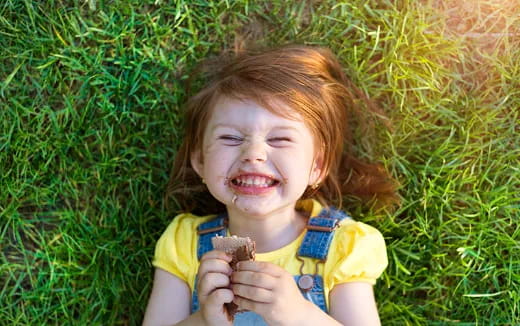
310 81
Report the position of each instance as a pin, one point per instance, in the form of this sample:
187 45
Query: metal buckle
306 281
322 228
214 229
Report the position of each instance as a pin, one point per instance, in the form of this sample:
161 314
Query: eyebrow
227 125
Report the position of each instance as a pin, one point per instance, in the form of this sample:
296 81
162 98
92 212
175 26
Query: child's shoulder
356 229
350 233
353 236
357 253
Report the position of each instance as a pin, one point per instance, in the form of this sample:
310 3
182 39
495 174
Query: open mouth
254 181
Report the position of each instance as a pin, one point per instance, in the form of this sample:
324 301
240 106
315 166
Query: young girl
268 144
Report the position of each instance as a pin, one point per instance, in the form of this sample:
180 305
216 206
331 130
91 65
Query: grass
91 96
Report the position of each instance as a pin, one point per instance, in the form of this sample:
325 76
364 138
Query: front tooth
254 181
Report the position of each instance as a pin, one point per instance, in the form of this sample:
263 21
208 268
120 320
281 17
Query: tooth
257 181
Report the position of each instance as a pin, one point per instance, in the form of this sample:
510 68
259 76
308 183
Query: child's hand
270 291
213 276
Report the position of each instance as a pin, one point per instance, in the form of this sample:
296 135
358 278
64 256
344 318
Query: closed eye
280 141
231 140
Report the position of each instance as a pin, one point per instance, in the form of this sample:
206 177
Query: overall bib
315 244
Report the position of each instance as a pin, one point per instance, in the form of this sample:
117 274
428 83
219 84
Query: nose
253 151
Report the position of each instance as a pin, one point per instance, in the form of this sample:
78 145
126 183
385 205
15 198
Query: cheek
297 165
211 152
218 161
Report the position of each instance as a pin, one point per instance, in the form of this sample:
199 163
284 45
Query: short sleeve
174 252
358 254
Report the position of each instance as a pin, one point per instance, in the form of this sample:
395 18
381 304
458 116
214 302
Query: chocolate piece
240 249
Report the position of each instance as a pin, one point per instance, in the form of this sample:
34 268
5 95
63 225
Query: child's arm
170 300
353 303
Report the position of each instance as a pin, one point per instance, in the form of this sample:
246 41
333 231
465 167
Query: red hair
310 80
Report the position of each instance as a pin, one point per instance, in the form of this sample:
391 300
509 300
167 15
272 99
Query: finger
260 266
248 304
216 254
215 265
212 281
217 299
257 279
252 293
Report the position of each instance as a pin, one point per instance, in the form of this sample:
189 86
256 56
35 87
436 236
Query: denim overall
315 244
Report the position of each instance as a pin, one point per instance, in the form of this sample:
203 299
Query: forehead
248 114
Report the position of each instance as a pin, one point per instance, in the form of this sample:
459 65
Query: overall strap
320 231
208 230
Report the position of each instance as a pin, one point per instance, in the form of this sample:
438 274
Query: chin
252 212
255 208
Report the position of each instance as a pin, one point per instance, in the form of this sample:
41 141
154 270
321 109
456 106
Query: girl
268 144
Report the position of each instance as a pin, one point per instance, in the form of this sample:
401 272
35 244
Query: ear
197 163
316 175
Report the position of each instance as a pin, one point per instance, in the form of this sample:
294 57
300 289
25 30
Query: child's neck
269 232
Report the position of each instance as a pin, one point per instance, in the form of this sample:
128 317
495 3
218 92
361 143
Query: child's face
263 159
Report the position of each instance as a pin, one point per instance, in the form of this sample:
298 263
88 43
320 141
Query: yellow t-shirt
357 252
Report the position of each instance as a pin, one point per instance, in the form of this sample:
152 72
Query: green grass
90 100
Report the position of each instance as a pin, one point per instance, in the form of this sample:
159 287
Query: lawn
91 100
